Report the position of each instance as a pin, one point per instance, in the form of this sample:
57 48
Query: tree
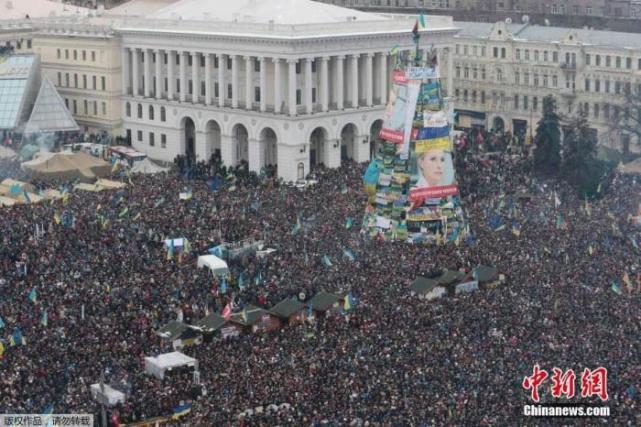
625 116
581 169
547 150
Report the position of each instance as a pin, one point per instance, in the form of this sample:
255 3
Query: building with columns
503 71
291 83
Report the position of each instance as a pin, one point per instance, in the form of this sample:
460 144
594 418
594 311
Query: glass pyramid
49 114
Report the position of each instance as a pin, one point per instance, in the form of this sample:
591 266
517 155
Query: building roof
423 285
15 75
50 114
291 12
211 323
323 301
19 9
139 7
541 33
287 307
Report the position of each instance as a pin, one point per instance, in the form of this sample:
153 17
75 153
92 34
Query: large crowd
106 283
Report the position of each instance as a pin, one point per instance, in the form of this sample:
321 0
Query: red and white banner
423 193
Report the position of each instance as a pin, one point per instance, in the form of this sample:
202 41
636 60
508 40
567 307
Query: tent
8 182
67 166
109 184
159 365
483 273
107 395
632 167
83 186
450 276
217 266
289 309
323 301
7 201
210 323
178 243
7 153
179 334
147 166
427 288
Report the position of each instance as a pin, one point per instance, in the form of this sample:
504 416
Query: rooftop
539 33
18 9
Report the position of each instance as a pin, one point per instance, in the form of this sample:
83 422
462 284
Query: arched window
151 112
140 111
163 115
128 109
301 171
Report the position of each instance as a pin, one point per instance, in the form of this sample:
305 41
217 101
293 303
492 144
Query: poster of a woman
433 175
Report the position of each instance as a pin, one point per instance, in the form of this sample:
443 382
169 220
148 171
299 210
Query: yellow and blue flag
181 410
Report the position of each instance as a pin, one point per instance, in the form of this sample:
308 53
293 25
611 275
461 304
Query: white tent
157 366
215 264
108 396
146 166
178 243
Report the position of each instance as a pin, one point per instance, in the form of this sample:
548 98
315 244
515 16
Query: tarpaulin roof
67 166
423 285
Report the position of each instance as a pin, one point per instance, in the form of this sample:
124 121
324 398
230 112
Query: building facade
293 91
502 72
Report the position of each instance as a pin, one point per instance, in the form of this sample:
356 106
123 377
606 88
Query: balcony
570 66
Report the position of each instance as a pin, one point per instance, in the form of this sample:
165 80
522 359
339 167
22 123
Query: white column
369 76
382 65
324 89
195 84
171 79
249 77
147 71
333 148
183 76
207 78
354 80
256 155
450 73
226 146
308 85
263 84
222 64
291 81
125 71
135 72
278 95
339 83
158 89
234 81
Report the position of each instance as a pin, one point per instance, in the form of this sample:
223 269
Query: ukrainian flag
181 410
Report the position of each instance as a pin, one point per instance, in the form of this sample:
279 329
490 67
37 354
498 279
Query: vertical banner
394 115
413 87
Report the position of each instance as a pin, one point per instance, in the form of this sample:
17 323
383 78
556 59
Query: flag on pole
557 201
243 315
56 218
348 253
422 22
349 223
123 212
114 168
297 226
33 295
159 202
627 281
1 350
241 281
1 323
616 288
349 302
170 250
516 229
223 286
227 312
326 261
45 319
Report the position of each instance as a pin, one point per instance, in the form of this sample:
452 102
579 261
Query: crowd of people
105 282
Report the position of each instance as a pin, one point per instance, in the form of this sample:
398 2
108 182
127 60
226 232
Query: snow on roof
139 7
290 12
19 9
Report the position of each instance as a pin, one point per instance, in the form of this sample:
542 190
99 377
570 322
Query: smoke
45 141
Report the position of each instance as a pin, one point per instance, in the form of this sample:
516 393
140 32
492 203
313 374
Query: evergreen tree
547 151
581 169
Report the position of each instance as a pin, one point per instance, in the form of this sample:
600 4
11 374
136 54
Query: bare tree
625 117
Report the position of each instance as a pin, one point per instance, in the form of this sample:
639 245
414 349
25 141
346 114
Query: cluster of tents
253 319
452 282
67 166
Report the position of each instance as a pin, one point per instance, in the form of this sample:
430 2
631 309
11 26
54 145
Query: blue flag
223 286
17 336
326 261
348 253
241 281
1 323
33 295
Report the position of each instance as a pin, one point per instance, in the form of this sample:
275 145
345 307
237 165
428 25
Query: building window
457 93
84 55
257 66
104 108
466 72
525 102
216 61
93 82
93 56
151 112
67 103
190 87
229 62
163 140
163 114
535 103
517 78
177 59
465 95
555 56
536 80
58 53
66 53
84 81
297 67
496 52
587 85
458 72
518 54
475 73
483 73
299 96
178 85
482 97
75 55
555 81
608 61
617 87
546 82
527 54
139 136
607 86
536 55
75 107
257 94
202 60
597 85
67 79
202 89
545 56
587 59
59 78
86 105
216 90
229 91
516 101
75 80
128 109
618 62
152 141
474 96
189 61
597 60
499 75
628 63
140 111
526 79
95 108
103 83
596 109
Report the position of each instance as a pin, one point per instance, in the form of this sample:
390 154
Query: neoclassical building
287 82
503 71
